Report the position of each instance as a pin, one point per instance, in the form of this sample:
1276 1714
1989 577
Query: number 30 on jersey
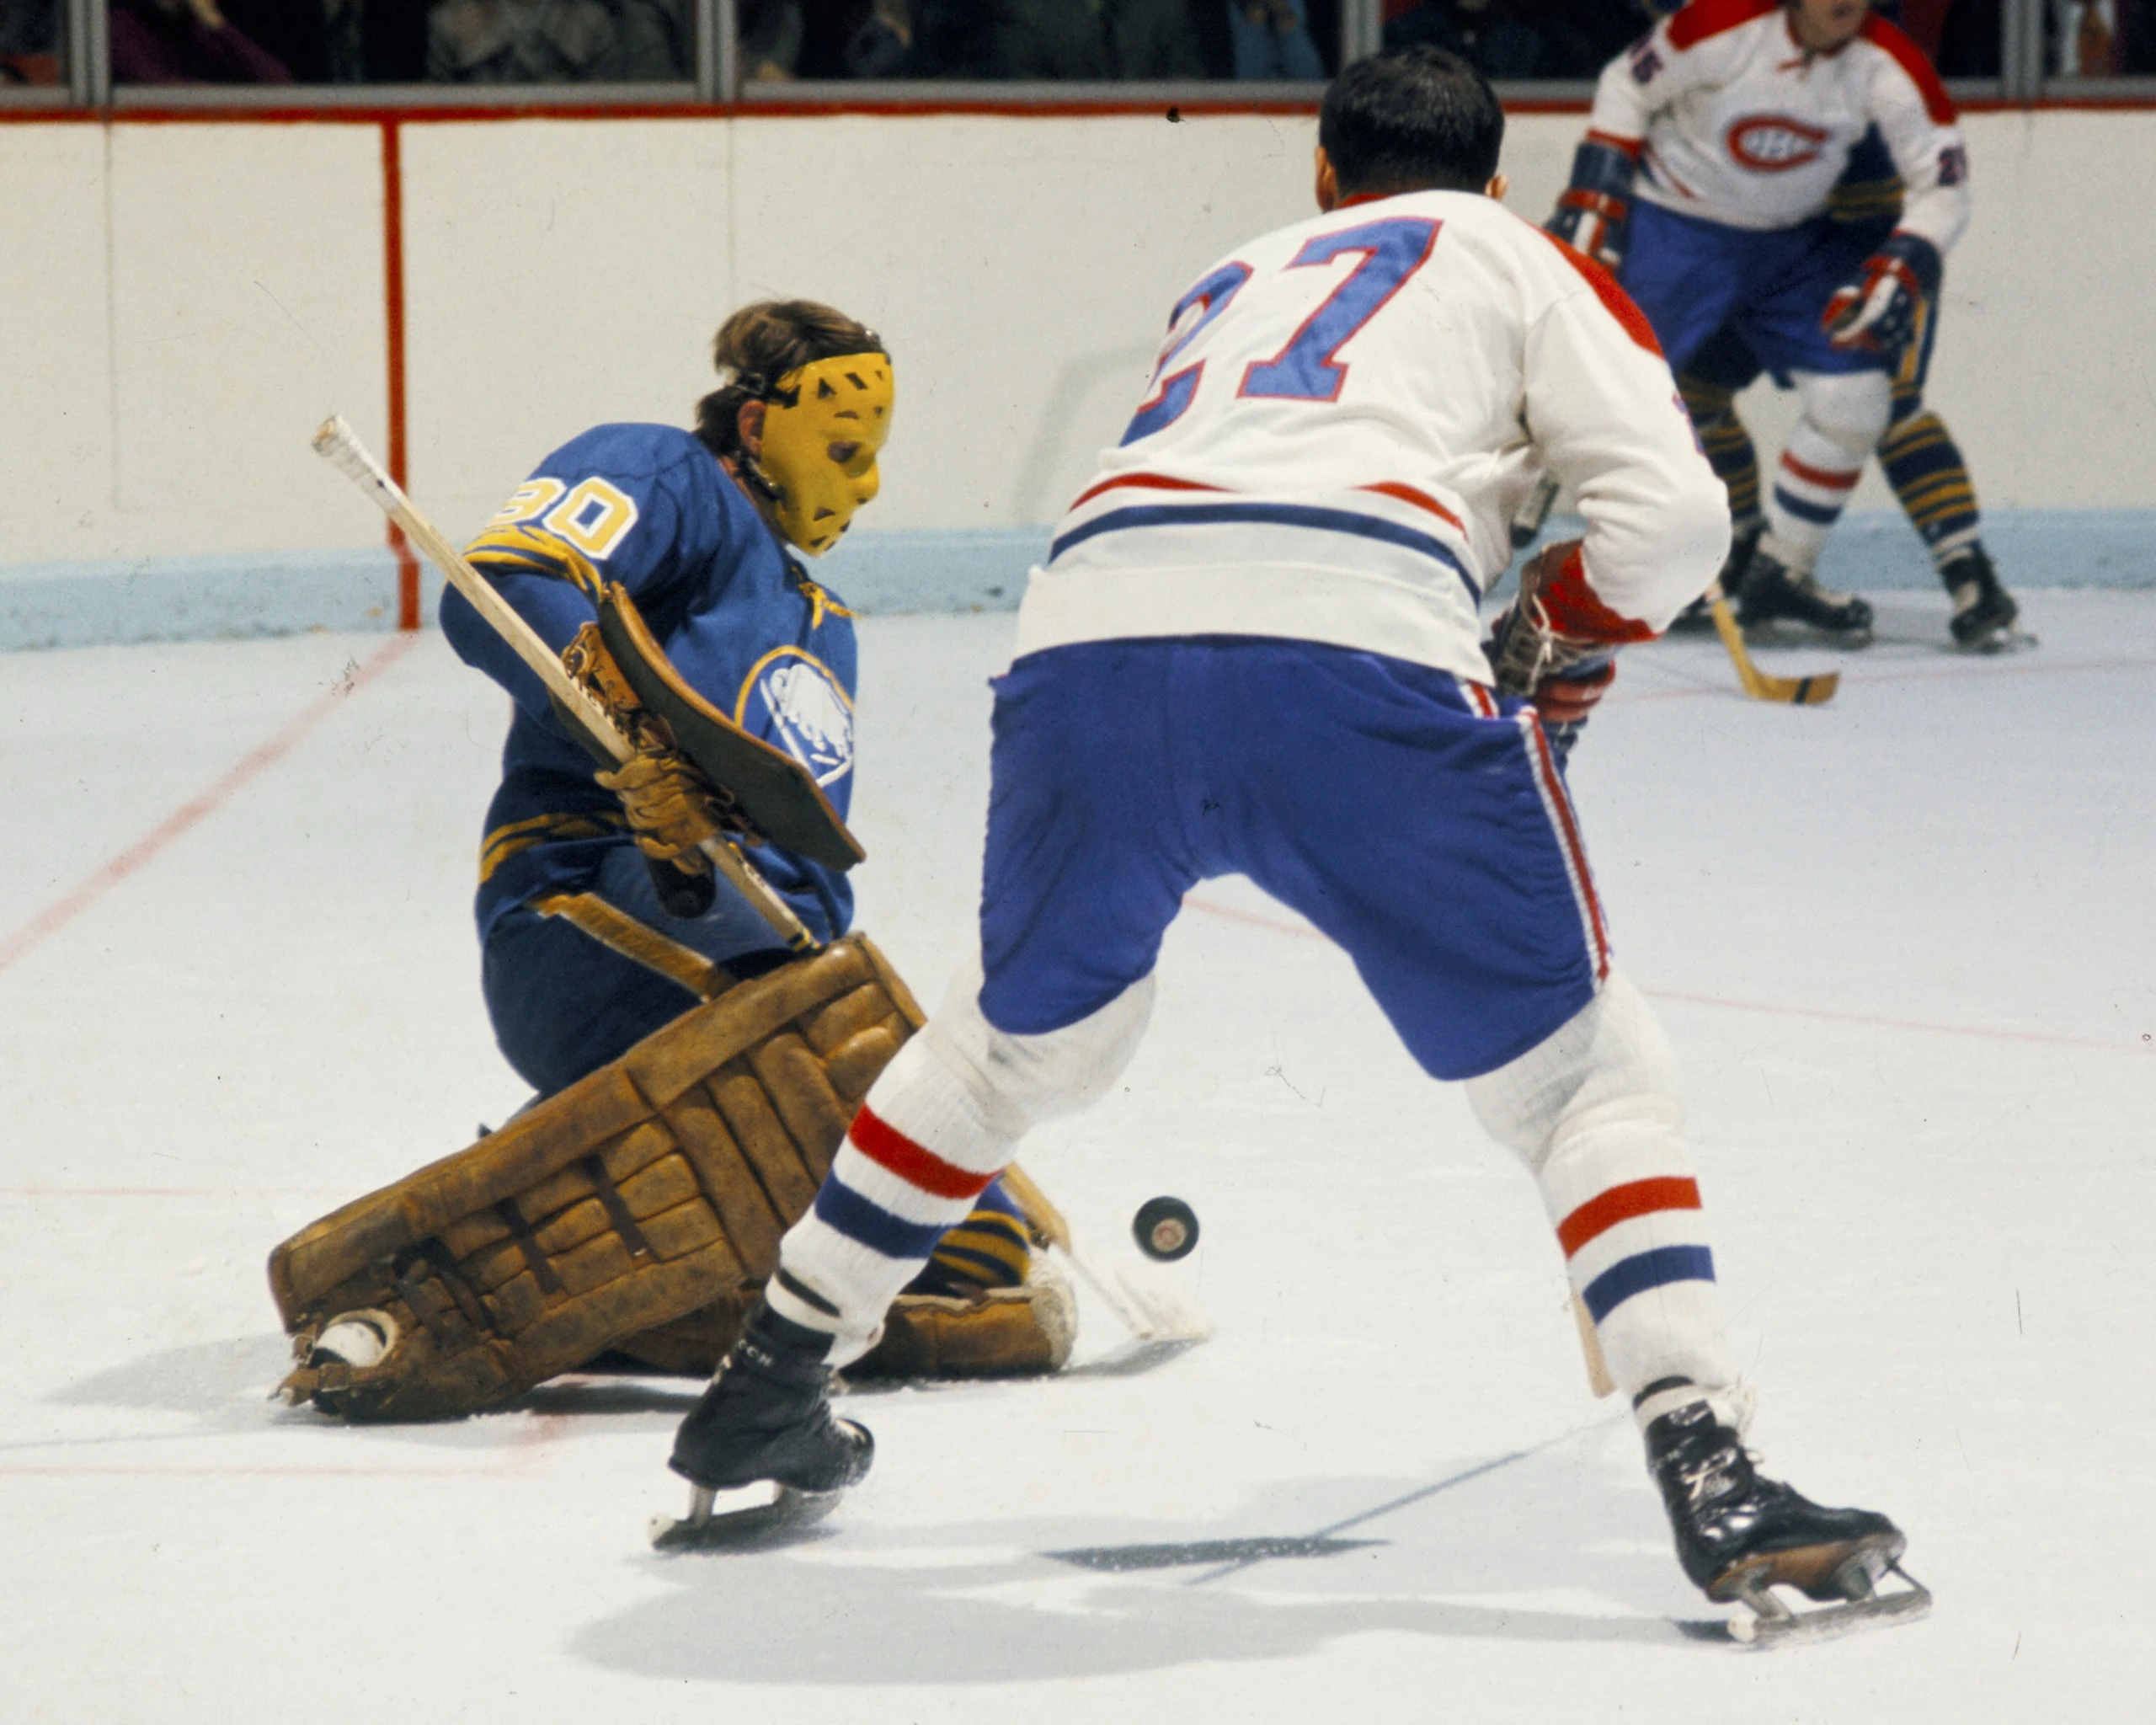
595 517
1306 369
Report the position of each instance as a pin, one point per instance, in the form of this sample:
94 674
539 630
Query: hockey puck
1165 1228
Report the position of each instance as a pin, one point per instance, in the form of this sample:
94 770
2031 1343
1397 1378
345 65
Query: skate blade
1767 1622
1789 632
785 1515
2013 639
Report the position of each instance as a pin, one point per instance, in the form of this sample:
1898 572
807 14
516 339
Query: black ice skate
765 1419
1775 593
1740 1536
1984 613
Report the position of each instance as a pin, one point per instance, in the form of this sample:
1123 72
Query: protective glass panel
1044 41
33 45
475 42
1516 40
2093 39
1964 37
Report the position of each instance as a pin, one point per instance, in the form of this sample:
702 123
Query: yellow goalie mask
824 425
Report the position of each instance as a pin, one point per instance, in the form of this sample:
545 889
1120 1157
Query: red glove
1878 310
1568 697
1557 645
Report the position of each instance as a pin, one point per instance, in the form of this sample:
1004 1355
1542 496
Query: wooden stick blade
1789 691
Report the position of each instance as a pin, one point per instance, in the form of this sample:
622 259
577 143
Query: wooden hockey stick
1793 691
1533 512
1597 1368
1151 1314
339 444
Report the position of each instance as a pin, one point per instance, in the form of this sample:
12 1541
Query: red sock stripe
1620 1203
1819 475
891 1150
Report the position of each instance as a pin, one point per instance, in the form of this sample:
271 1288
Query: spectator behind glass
1147 40
989 40
2086 39
1489 33
558 41
30 42
1525 39
185 42
1271 39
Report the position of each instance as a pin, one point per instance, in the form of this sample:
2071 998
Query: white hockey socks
1845 415
938 1126
1594 1113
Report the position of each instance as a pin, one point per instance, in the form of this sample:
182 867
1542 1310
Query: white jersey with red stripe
1345 418
1735 122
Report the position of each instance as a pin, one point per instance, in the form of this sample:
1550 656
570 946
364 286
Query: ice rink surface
1904 946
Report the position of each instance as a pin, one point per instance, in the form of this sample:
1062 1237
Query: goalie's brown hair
760 344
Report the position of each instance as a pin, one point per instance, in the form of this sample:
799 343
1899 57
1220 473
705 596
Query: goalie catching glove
1556 645
1880 311
672 808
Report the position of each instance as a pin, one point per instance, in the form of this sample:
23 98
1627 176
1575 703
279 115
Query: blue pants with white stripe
1426 830
1693 278
1414 819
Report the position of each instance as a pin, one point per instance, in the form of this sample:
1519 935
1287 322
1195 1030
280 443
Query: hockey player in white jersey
1254 648
1715 144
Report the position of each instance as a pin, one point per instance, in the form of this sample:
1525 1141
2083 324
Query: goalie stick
1792 691
340 445
1152 1309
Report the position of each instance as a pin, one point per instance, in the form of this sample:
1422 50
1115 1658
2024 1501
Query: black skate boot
1772 593
1984 613
1698 618
1740 1535
766 1416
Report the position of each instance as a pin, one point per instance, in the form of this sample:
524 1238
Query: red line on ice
1869 680
57 917
62 1469
1303 930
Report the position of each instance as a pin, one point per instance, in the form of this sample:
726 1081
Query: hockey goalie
699 1032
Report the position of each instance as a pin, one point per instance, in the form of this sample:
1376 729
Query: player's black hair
1418 118
760 344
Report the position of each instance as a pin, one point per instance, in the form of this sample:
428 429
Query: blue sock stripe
1812 512
1645 1270
869 1224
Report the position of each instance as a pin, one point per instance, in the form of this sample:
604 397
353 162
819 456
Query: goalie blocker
638 1210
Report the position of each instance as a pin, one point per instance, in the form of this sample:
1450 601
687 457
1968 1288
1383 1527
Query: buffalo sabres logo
1773 143
793 698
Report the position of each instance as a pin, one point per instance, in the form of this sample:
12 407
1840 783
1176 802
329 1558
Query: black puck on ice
1166 1228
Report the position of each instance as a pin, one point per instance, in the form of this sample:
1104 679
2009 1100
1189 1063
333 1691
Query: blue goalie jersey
744 626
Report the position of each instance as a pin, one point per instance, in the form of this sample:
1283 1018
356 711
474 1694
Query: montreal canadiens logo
1773 143
793 699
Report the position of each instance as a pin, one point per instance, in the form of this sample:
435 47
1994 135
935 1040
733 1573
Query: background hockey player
1254 648
702 528
1919 455
1713 147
